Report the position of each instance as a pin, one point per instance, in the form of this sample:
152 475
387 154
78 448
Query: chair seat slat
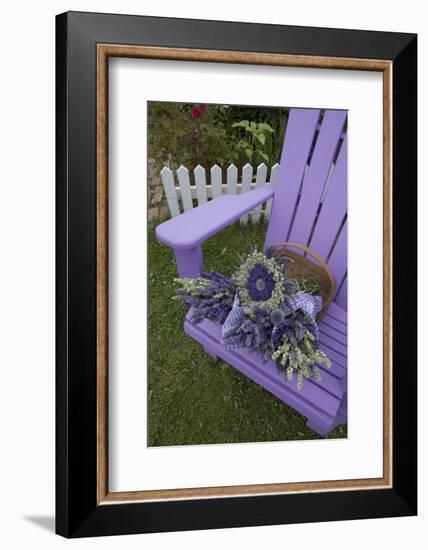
338 313
333 323
333 333
329 349
333 344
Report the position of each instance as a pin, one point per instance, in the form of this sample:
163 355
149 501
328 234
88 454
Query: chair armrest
195 226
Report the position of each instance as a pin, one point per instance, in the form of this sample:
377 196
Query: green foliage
192 398
185 134
275 117
192 134
254 141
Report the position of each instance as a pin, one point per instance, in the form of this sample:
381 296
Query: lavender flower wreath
263 310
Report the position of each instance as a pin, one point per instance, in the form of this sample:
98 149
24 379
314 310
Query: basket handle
318 258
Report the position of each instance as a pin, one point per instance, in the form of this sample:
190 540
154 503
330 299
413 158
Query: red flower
198 111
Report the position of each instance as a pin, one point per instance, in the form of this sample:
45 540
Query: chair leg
341 418
190 262
342 414
320 427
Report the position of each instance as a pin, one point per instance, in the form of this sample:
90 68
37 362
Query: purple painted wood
322 158
333 210
333 323
190 262
298 139
324 403
333 333
337 370
338 313
333 343
342 295
338 261
332 354
195 226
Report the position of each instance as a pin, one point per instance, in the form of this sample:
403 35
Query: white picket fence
183 195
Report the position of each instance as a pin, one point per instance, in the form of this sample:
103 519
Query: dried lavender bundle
210 295
262 310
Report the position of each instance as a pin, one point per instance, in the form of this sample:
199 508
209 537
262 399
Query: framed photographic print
236 248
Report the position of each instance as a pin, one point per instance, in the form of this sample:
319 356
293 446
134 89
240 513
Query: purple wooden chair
309 207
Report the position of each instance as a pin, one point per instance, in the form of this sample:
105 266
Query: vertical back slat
232 180
186 192
260 182
216 187
341 298
201 185
322 158
338 261
247 177
334 207
299 135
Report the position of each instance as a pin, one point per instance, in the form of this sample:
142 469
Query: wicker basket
302 265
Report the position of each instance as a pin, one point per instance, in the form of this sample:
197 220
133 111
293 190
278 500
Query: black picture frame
77 511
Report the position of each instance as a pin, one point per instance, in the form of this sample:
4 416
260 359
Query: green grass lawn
192 398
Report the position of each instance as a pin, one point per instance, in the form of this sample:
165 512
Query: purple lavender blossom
253 334
213 302
293 328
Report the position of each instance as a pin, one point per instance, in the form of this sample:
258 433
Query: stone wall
157 205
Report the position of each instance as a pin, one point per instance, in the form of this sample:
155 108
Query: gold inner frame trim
104 51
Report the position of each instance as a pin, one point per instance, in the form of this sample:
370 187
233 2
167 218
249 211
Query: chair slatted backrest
310 202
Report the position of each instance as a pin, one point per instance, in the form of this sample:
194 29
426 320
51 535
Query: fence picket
260 182
170 191
201 185
186 193
247 178
232 180
216 186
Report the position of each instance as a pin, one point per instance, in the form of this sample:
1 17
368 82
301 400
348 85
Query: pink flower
196 112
